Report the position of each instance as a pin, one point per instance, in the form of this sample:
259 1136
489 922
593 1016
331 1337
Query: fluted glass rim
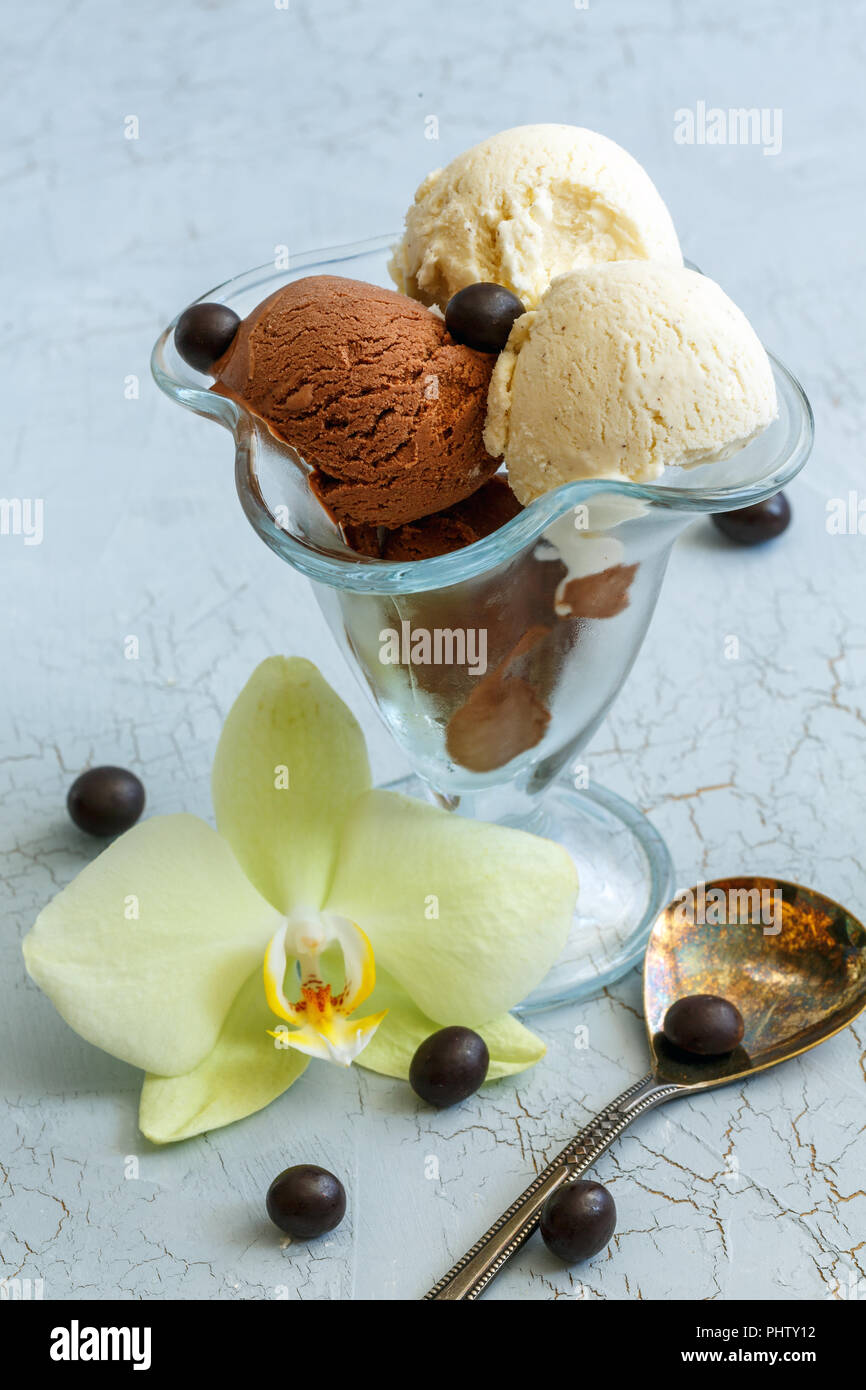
362 574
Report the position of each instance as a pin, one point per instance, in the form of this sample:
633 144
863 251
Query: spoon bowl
791 960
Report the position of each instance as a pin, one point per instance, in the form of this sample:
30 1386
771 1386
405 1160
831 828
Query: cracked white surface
306 126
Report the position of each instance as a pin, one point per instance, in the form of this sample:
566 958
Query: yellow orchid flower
173 949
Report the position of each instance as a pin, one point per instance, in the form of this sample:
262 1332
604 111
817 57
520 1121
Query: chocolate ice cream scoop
371 390
477 516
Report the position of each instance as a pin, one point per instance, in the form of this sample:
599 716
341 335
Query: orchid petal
512 1047
467 917
290 761
143 951
244 1072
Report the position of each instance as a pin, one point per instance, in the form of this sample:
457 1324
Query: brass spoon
793 962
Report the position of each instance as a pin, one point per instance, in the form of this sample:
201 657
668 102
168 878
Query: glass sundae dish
493 632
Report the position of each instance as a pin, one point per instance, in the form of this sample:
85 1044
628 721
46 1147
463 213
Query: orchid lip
320 1019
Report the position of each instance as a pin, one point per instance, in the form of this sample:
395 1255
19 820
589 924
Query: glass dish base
626 878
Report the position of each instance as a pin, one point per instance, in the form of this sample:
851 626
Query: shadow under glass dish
502 743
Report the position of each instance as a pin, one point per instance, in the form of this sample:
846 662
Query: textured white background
306 126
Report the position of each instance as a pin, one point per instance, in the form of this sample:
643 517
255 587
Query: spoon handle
472 1273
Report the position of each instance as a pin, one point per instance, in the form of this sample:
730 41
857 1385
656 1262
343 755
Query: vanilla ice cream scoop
527 205
625 369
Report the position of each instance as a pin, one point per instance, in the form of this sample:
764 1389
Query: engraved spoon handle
472 1273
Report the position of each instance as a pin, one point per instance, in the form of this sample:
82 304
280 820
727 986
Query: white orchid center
320 1018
